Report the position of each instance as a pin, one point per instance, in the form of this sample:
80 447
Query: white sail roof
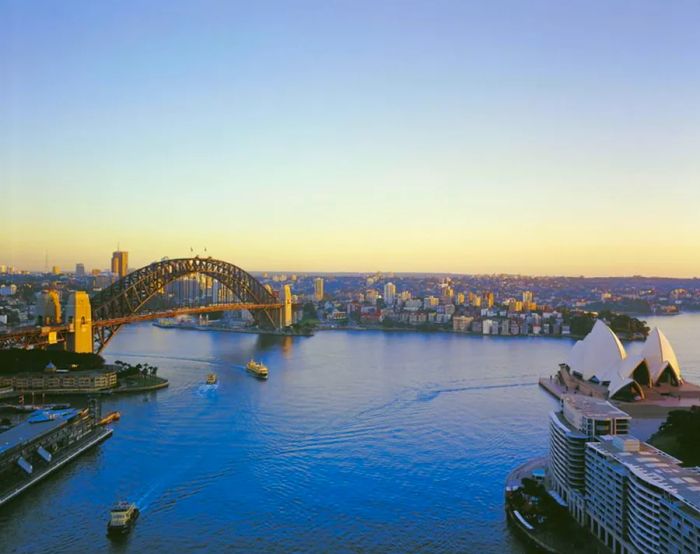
599 353
658 355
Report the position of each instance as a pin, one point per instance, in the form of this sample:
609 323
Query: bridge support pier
78 316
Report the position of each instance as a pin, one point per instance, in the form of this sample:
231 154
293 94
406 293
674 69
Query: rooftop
655 467
39 424
594 408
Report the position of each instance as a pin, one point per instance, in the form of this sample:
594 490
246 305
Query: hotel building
582 419
633 497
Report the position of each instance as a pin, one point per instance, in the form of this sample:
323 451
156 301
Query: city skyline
533 139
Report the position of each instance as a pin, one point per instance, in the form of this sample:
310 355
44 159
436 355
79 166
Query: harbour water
359 441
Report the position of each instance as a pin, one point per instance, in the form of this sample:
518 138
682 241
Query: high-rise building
639 499
389 294
527 296
79 270
120 263
318 289
582 419
460 298
489 299
56 270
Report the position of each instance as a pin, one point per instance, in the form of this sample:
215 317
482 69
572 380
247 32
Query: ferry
258 369
212 379
109 418
122 518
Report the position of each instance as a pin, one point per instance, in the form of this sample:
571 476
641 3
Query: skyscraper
318 289
389 293
120 263
80 270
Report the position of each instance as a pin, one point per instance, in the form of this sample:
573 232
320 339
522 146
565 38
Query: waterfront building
489 299
60 381
318 289
44 442
639 499
581 419
430 302
389 293
601 362
461 323
120 263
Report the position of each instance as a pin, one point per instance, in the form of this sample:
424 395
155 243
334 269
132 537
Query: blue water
358 442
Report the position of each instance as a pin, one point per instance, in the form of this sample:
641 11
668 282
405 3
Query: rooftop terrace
655 467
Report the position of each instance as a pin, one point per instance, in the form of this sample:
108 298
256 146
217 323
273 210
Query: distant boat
258 369
109 418
122 518
212 379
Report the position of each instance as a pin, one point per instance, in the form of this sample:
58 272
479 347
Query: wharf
567 536
552 386
98 435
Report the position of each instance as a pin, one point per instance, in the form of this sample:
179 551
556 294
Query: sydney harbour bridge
91 321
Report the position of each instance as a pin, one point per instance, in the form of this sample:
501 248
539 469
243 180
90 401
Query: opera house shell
601 359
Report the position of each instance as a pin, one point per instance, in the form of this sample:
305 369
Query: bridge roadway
41 336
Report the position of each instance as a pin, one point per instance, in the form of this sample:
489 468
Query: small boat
212 379
258 369
109 418
122 518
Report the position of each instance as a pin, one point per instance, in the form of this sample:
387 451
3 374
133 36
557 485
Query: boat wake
427 396
205 391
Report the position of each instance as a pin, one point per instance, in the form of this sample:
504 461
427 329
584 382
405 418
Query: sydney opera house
600 366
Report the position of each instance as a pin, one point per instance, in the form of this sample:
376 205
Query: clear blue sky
520 136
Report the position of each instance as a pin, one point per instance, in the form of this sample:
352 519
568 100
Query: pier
97 436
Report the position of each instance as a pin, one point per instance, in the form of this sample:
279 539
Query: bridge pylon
78 317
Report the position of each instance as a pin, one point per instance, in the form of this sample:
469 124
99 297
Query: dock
97 436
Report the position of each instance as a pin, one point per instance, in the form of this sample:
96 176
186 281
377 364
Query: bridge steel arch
127 296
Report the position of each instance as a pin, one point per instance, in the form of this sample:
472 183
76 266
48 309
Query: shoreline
544 540
241 330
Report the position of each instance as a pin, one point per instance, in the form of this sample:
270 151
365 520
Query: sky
509 136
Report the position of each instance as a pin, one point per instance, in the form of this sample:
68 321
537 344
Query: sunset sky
540 137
